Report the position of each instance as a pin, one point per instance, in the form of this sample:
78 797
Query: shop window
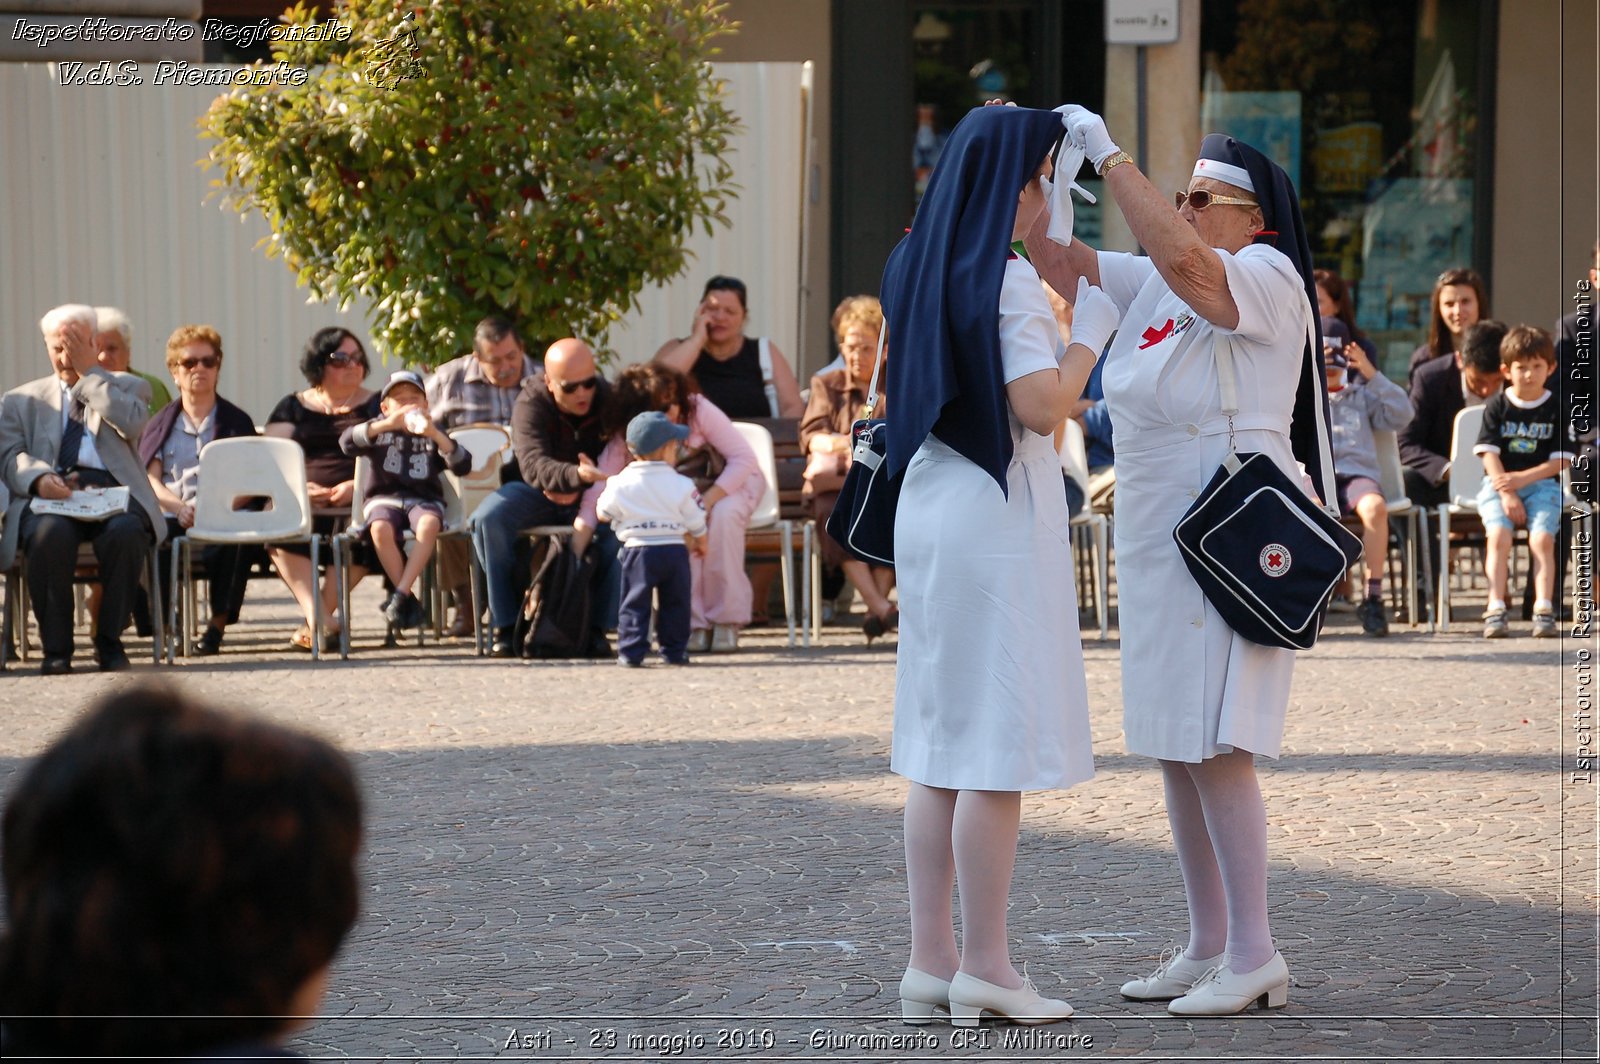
1373 108
962 56
1031 52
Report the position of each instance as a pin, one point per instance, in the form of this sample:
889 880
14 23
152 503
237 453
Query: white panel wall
102 202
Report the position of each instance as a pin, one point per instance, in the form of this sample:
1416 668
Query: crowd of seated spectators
97 422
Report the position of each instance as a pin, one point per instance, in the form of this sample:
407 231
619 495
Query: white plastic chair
1415 519
1466 477
486 442
490 447
767 516
233 472
1094 527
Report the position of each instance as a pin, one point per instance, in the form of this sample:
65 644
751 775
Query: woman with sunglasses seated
1230 265
170 452
335 364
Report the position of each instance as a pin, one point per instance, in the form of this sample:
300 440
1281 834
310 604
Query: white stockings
970 836
1219 827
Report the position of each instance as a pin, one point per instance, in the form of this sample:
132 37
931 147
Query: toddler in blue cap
658 518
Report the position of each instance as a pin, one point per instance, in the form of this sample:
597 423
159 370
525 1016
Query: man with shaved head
556 433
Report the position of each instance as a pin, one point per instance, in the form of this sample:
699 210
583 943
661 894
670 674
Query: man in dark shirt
1441 389
556 434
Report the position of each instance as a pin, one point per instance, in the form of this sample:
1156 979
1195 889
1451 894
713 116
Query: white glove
1088 131
1094 317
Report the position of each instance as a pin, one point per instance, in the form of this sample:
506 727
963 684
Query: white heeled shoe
920 995
1173 977
1224 992
970 998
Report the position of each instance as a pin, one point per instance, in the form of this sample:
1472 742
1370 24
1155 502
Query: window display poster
1346 158
1268 121
1414 229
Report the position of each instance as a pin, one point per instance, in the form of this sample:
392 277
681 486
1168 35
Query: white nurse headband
1217 170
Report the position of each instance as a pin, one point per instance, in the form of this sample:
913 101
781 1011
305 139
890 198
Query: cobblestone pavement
576 860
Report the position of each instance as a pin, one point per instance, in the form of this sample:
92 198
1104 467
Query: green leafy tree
454 158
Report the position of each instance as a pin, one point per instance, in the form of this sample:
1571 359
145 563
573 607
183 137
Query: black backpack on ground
557 615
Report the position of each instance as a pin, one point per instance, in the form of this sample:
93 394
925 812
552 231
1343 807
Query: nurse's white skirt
989 683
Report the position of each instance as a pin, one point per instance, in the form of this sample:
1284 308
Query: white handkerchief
1058 193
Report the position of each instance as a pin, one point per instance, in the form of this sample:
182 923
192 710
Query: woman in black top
335 364
726 364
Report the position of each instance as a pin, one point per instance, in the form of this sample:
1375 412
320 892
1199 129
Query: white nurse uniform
989 685
1191 687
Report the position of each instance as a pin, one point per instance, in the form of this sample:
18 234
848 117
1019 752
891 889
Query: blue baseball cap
649 432
404 376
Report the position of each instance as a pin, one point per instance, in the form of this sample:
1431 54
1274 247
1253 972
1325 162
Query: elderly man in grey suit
78 428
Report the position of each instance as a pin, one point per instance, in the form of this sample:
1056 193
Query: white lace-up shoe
920 995
1224 992
1173 977
970 998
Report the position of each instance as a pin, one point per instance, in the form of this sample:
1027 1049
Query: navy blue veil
941 290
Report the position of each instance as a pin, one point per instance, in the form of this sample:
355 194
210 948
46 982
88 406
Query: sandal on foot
301 640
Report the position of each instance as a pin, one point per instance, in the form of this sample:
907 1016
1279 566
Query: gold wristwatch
1116 158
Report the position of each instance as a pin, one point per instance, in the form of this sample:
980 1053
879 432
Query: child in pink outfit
721 595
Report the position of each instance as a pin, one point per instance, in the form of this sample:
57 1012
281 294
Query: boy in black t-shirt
1524 445
407 454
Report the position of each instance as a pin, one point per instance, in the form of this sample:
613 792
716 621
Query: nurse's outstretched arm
1191 269
1042 400
1060 266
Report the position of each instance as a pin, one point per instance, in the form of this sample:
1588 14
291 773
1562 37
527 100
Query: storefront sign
1141 21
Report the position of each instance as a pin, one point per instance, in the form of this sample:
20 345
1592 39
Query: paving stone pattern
586 862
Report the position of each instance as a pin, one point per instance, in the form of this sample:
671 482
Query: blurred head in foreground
165 860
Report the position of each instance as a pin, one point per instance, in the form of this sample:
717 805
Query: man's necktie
71 437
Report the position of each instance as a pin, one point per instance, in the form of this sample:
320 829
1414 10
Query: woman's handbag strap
877 367
1223 352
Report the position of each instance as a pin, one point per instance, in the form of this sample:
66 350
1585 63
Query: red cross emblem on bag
1275 559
